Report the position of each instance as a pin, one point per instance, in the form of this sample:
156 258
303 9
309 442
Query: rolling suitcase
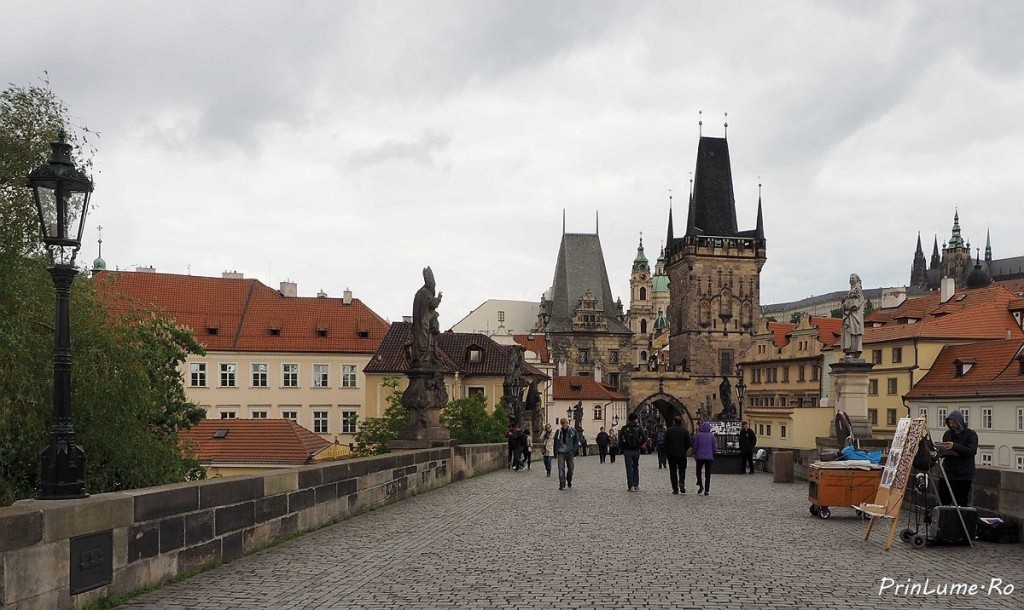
947 526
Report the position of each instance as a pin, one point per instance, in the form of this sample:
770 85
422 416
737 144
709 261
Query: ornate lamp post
741 389
62 200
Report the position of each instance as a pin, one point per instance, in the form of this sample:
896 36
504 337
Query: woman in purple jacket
704 453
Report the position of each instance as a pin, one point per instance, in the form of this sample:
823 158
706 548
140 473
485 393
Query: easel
898 466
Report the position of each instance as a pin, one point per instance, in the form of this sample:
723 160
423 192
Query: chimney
347 296
407 319
232 275
289 289
147 269
321 294
947 288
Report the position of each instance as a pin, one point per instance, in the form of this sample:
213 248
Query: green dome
659 283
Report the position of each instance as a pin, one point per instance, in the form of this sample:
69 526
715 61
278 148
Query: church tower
956 256
919 270
641 315
714 271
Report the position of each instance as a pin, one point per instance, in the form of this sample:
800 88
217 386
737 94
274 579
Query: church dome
978 277
661 323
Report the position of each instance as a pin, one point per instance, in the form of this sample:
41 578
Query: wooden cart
840 487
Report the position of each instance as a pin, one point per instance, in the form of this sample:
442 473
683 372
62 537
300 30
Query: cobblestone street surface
513 540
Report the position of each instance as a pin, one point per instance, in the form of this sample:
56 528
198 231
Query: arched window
643 326
643 356
643 294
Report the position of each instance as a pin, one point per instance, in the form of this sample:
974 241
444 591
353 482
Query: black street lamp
741 389
62 200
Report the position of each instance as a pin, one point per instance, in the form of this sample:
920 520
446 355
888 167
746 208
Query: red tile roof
829 328
969 315
780 332
575 387
996 372
537 344
245 314
262 441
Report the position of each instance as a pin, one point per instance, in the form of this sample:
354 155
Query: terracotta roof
994 372
228 314
780 332
969 315
575 387
264 441
829 328
537 344
453 348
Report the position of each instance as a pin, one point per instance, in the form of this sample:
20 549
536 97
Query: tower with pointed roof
957 262
714 271
919 270
586 329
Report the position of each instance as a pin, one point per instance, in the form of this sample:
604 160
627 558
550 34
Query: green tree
375 432
128 400
469 423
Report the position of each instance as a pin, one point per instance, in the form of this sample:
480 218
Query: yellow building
782 371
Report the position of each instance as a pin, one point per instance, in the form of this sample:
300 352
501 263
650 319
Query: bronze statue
533 396
425 325
725 393
577 414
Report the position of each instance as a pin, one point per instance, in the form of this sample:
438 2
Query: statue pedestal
424 398
851 385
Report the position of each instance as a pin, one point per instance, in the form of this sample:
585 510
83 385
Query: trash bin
782 466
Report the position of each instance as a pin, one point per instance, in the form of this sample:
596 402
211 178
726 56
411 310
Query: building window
800 373
501 316
1020 419
290 415
475 355
873 387
768 430
643 327
890 417
873 416
1020 462
228 415
986 459
782 401
760 429
259 375
923 412
613 380
259 414
876 356
598 412
197 374
785 374
348 422
475 390
897 355
321 375
782 431
967 416
725 366
815 372
613 356
890 385
584 356
643 294
320 420
942 417
227 375
290 375
986 419
348 375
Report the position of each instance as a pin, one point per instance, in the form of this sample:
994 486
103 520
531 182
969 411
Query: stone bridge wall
158 533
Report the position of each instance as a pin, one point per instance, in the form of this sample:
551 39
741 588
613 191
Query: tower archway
664 407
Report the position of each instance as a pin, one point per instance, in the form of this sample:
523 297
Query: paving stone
513 540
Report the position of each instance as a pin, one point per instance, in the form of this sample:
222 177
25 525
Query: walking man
613 439
566 444
677 443
659 443
748 440
602 443
631 438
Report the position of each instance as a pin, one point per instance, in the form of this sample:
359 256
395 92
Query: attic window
321 332
963 366
212 326
274 331
364 334
575 386
222 433
475 354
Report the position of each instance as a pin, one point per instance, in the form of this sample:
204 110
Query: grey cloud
424 151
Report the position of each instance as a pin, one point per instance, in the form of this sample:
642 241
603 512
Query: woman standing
549 447
704 453
527 447
613 444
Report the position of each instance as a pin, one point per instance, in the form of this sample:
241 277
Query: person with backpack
631 439
659 443
704 452
677 443
566 443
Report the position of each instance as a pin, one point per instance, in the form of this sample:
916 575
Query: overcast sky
347 145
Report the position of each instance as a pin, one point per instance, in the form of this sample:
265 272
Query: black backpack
631 438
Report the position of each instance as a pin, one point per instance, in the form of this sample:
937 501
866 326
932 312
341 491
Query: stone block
289 525
280 482
782 466
199 527
360 467
310 476
256 537
19 527
144 573
987 477
172 533
230 490
235 517
35 570
300 500
336 472
1012 503
271 507
1012 480
325 493
143 541
408 459
231 547
67 518
346 487
164 501
195 558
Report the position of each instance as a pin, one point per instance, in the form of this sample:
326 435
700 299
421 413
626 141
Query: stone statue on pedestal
853 319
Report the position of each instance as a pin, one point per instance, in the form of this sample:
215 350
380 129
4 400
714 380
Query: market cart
841 483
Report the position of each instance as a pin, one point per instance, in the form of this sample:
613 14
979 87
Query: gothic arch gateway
668 406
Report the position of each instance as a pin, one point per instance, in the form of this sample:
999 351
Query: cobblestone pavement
512 540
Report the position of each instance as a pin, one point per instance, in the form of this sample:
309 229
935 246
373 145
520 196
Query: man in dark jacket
959 446
747 443
631 439
602 443
677 443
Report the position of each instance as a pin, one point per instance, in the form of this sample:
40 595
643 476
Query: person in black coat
677 444
958 448
747 443
603 440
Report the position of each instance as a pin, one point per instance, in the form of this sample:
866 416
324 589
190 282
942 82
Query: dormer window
274 328
963 366
474 354
321 332
212 327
